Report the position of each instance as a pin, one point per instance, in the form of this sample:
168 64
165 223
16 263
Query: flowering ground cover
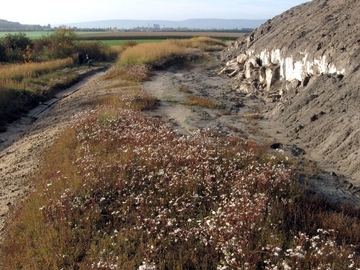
128 191
118 190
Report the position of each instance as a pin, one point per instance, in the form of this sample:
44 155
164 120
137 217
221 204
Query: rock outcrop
307 62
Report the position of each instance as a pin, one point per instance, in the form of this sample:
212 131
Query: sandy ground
22 145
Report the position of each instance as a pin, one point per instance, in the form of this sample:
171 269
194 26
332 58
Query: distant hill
14 26
190 24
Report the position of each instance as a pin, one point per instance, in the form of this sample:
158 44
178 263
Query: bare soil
22 145
322 108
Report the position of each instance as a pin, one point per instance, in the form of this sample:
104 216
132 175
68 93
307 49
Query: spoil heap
305 62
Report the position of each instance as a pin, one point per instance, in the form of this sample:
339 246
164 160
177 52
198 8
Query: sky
44 12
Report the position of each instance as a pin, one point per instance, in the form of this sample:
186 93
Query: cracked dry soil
22 145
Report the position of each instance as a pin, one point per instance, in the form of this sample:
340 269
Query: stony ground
237 114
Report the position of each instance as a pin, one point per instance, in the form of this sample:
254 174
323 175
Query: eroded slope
306 61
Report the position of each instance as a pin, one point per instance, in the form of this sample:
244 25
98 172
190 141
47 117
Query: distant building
156 26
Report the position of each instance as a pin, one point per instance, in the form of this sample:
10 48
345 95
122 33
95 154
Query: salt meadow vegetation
118 190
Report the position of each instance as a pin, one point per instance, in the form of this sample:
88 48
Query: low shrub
97 50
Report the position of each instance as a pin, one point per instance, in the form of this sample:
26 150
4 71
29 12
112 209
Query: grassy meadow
118 190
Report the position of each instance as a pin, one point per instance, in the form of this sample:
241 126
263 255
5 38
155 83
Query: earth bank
305 63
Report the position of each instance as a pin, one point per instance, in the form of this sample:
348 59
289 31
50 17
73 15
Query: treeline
15 26
61 43
31 71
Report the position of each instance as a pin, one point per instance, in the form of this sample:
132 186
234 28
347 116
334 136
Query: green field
157 35
31 35
115 38
39 34
116 42
89 38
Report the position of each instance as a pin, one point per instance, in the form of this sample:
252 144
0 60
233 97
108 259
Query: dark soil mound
305 62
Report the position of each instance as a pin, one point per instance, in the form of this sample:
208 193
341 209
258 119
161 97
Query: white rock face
270 66
309 66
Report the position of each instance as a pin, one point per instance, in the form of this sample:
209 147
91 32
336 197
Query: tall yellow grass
204 43
149 53
20 71
200 101
152 53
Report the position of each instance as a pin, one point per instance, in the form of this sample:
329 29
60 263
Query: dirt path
237 114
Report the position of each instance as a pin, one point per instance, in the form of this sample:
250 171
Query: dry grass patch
200 101
253 116
130 98
130 73
22 86
38 78
158 53
18 72
225 112
185 89
203 43
122 84
150 53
